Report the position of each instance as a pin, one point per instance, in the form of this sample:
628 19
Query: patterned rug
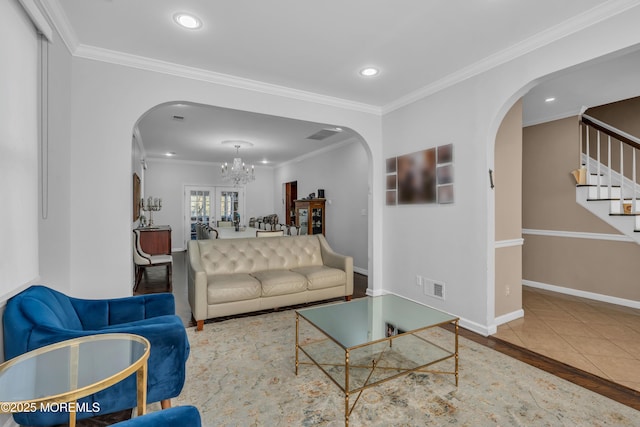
241 373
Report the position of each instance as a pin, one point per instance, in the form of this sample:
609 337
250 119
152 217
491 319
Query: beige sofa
232 276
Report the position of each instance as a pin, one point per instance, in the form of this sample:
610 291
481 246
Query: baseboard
485 331
463 323
506 318
362 271
376 293
583 294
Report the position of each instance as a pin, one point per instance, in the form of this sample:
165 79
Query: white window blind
19 106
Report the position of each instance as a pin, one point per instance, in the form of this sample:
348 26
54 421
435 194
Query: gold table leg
346 388
141 380
297 342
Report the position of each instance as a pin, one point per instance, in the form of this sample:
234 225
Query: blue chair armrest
187 416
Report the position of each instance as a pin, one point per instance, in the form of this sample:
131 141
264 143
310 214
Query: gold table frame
348 407
139 366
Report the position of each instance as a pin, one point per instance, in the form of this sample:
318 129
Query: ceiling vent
178 118
323 134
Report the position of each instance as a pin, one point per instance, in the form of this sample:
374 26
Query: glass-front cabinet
310 216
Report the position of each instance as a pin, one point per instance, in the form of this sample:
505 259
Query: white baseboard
463 323
583 294
485 331
359 270
506 318
377 293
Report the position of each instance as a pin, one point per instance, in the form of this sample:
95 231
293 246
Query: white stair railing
629 187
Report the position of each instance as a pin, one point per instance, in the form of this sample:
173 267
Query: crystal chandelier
238 173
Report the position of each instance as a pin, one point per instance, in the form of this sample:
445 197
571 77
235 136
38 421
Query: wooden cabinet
310 216
156 240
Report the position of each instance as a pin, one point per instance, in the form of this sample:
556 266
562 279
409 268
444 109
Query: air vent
178 118
434 288
323 134
438 290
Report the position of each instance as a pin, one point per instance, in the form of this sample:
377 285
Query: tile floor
597 337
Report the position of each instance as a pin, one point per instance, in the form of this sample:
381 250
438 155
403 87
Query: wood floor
155 281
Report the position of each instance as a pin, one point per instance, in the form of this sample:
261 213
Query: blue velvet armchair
39 316
183 416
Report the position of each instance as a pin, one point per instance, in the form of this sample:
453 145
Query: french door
209 205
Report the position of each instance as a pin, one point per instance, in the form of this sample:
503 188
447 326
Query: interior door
230 204
198 208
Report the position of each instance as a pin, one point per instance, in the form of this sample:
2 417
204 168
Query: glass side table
54 377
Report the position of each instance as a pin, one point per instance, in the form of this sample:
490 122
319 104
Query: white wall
343 174
455 243
106 102
167 179
450 243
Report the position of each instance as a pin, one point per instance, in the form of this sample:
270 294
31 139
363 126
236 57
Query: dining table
231 233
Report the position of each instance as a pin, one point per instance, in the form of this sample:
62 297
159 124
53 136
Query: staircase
609 187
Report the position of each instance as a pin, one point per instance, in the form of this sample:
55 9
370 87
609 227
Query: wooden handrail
611 131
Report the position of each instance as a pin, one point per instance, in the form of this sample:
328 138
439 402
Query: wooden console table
156 240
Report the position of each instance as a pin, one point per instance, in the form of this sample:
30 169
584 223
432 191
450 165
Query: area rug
241 373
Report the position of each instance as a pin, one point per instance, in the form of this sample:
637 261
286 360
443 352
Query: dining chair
265 233
212 233
142 260
294 230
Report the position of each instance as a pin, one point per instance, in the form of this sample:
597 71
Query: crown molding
58 18
587 18
150 64
553 117
541 39
317 152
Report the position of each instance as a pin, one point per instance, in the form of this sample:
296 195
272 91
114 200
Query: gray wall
342 173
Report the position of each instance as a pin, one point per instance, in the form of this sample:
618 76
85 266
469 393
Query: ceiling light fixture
187 21
170 153
369 72
550 99
238 173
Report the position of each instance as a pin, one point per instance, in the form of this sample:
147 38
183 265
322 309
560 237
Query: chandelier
239 174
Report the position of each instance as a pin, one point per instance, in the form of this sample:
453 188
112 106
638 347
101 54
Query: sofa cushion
231 287
280 282
320 277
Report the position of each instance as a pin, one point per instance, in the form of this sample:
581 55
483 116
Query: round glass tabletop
72 369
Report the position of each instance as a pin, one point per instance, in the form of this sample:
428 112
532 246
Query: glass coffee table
364 342
54 377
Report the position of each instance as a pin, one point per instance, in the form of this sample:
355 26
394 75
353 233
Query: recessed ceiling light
264 162
187 21
170 153
550 99
369 72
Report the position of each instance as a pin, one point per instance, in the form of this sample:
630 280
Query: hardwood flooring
155 281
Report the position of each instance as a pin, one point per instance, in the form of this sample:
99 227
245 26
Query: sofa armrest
335 260
197 283
96 314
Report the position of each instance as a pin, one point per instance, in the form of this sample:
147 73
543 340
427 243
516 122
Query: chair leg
165 404
138 278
